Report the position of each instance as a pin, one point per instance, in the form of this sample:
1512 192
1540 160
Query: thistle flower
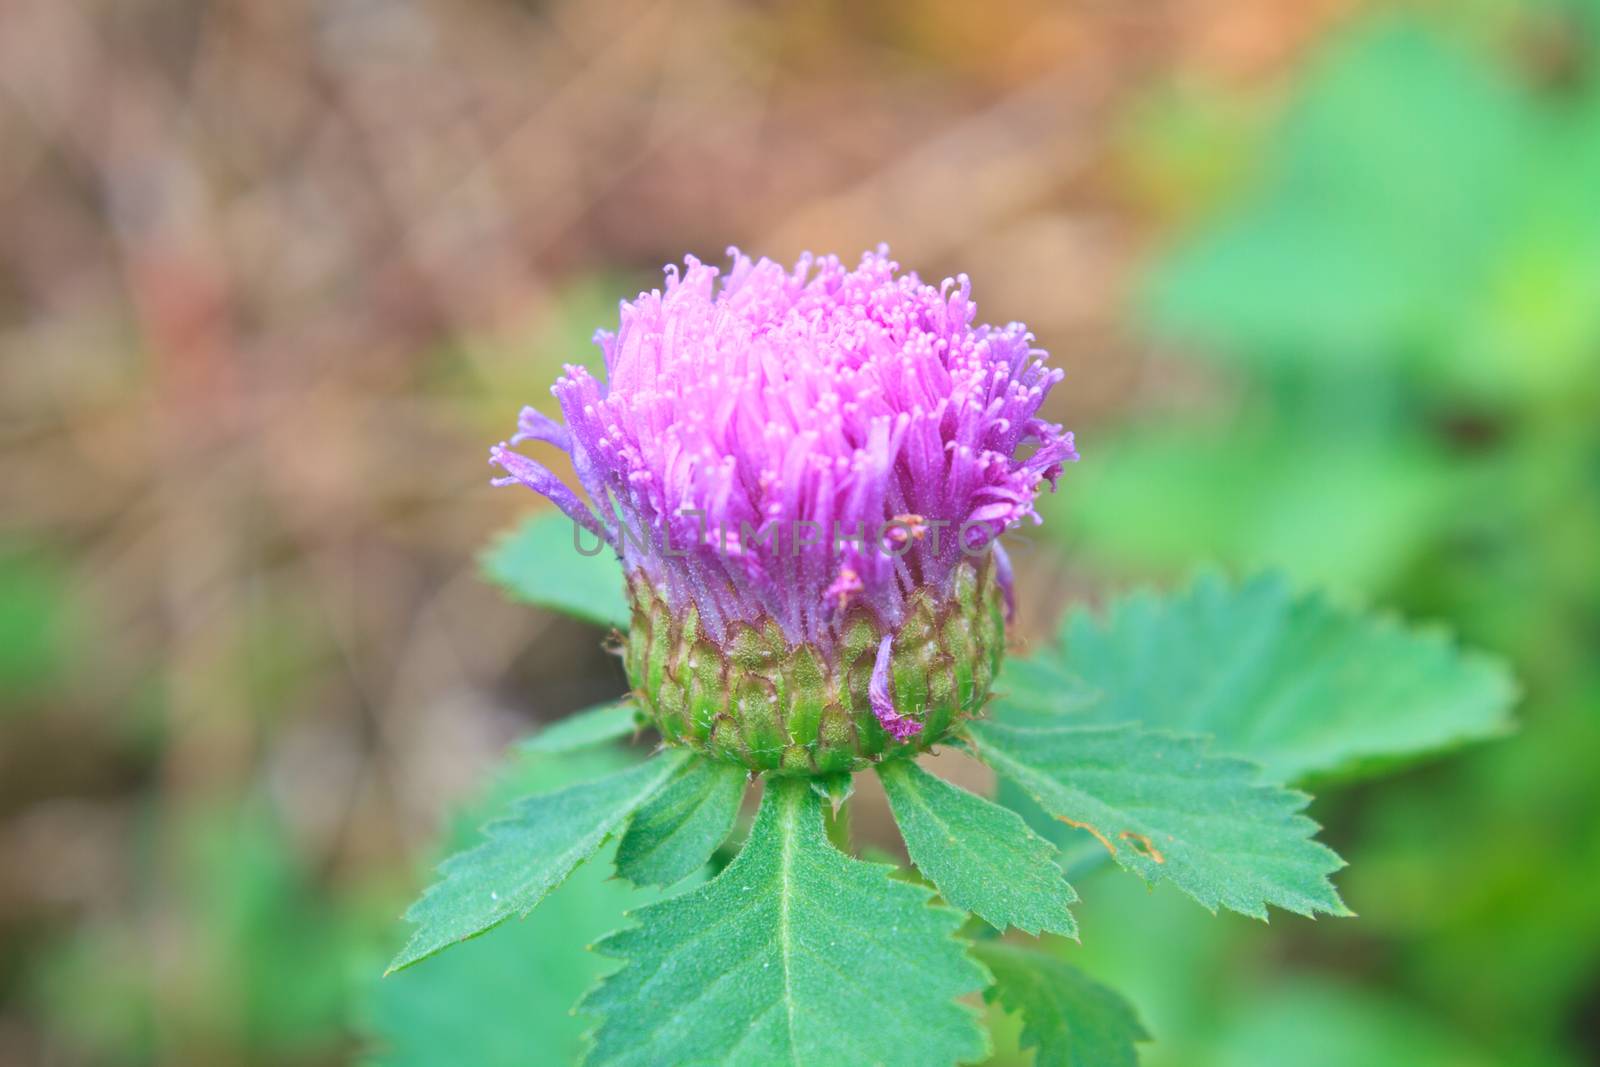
805 473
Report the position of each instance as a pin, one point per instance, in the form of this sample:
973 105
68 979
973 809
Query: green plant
1165 733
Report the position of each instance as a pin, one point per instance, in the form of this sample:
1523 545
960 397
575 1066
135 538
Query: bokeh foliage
1397 305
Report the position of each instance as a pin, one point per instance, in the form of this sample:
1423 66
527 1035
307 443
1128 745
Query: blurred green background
1325 277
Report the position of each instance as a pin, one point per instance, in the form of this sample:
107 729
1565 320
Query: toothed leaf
525 855
794 955
487 1002
981 856
674 833
1068 1018
1167 810
1289 681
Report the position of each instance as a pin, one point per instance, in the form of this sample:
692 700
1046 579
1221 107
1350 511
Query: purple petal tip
895 724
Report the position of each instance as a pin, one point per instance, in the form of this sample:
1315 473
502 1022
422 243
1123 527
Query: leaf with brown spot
1169 811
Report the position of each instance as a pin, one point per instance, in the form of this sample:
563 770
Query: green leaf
539 561
1288 681
794 955
982 857
487 1002
1166 810
527 854
585 728
674 833
1070 1019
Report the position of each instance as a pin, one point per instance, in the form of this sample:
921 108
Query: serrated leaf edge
1203 744
1034 840
670 759
683 770
1390 622
888 869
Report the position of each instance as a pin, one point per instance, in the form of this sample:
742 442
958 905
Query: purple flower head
793 444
